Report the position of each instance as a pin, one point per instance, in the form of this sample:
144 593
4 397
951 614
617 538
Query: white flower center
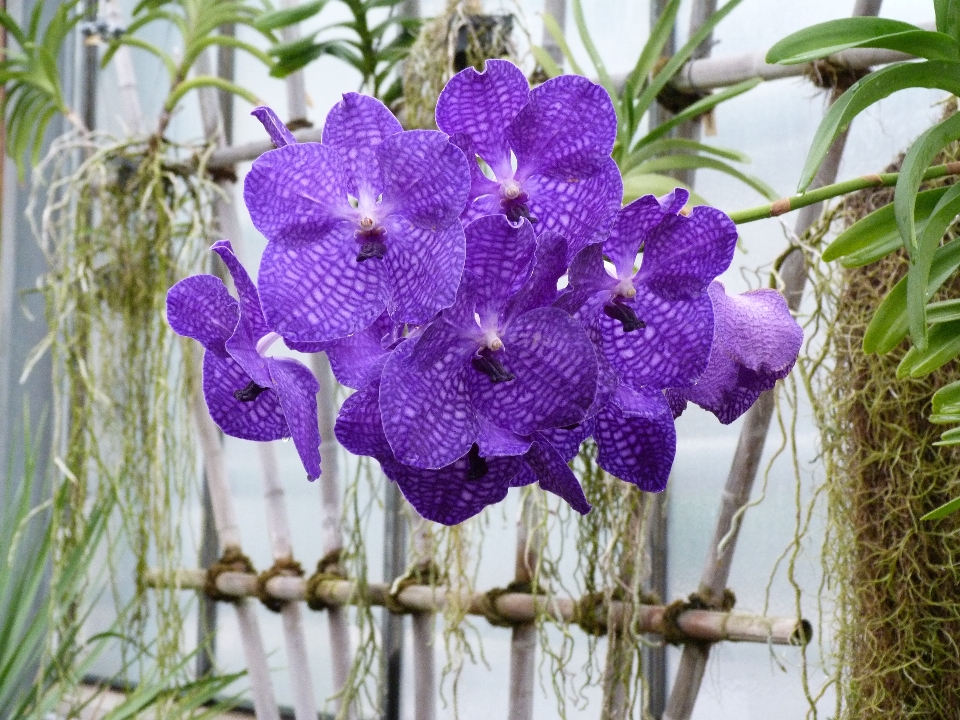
511 189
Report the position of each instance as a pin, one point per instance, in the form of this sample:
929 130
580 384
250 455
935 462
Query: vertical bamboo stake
746 461
621 650
557 9
225 518
126 76
424 628
212 120
330 515
304 704
523 641
296 89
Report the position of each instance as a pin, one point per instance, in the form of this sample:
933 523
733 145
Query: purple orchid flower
499 354
366 221
653 325
482 476
560 135
755 343
250 395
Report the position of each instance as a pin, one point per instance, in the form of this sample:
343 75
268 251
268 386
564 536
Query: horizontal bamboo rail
703 625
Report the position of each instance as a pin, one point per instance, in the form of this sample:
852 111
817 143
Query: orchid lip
478 465
492 367
625 315
249 393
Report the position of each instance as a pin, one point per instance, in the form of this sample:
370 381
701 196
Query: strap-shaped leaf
545 61
889 324
556 32
877 234
946 397
637 185
689 162
943 311
922 248
948 16
827 38
954 505
943 345
874 87
288 16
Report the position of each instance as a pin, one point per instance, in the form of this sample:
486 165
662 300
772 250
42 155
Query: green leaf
649 94
636 185
697 109
652 50
946 396
669 145
945 509
943 345
200 81
827 38
869 90
943 311
876 235
922 250
689 162
591 49
545 61
889 324
556 32
948 17
288 16
950 438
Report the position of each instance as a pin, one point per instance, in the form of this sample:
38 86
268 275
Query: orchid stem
812 197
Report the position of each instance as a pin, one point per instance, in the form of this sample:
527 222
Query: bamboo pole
296 90
225 518
212 120
746 461
621 650
705 625
126 76
523 640
331 530
278 527
424 629
819 193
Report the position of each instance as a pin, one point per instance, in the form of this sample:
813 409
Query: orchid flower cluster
485 295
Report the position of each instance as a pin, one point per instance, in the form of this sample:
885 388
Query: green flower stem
795 202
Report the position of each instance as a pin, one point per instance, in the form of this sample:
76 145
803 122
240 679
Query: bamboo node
232 560
779 207
590 613
224 173
487 603
287 567
328 569
674 634
425 573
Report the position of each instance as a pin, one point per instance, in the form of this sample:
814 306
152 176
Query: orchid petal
320 292
673 347
251 314
359 428
636 438
541 289
422 267
260 419
200 307
683 255
501 255
566 117
554 475
296 194
279 134
481 105
556 374
297 389
355 127
427 415
581 206
425 178
452 494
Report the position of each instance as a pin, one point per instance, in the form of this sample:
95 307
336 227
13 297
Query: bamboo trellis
698 629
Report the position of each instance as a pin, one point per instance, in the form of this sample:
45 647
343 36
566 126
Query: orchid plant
483 291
